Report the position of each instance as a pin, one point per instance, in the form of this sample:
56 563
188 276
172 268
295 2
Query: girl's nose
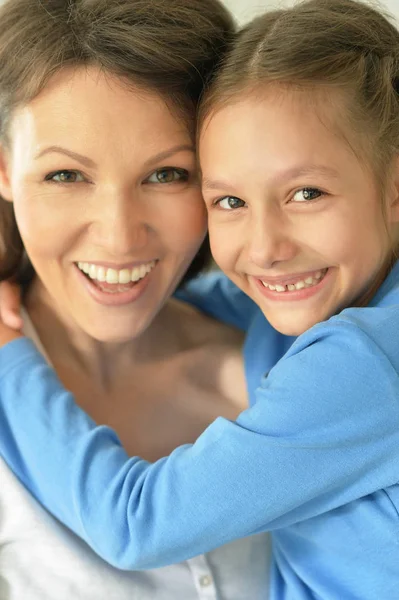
270 241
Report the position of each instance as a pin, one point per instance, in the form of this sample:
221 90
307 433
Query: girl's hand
8 335
10 306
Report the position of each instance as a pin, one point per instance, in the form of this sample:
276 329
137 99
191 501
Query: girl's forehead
277 138
325 100
293 111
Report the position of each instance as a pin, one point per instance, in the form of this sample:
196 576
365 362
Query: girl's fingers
10 305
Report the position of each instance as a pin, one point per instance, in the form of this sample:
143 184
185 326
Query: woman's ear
5 184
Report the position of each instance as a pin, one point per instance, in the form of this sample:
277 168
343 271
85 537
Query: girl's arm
324 431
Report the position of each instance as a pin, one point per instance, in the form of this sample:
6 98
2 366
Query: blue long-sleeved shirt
315 459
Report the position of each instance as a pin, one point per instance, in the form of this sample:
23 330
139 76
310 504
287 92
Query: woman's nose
121 224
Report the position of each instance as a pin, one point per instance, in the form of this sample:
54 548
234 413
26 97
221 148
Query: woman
98 167
299 152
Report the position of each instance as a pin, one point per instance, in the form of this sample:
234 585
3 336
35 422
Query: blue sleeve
324 431
217 296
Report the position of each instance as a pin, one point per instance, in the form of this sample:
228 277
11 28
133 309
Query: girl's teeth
112 276
299 285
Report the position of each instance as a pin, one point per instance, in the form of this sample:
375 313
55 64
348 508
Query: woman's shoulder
200 329
214 294
213 352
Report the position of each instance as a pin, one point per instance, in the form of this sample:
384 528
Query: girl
299 142
97 160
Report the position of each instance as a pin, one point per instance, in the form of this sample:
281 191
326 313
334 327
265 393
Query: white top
42 560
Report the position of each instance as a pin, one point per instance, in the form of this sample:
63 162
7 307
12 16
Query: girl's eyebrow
282 176
304 170
209 184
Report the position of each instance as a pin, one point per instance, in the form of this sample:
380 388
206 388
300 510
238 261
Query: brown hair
169 46
341 44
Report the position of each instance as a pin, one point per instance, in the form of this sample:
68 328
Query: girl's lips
114 298
292 295
292 279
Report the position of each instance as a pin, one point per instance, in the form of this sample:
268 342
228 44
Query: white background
245 9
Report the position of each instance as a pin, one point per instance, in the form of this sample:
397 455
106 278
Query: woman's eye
168 175
307 194
230 203
65 177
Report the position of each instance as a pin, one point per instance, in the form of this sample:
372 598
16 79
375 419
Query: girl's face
104 186
295 219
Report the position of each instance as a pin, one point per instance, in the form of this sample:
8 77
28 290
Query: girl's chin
294 324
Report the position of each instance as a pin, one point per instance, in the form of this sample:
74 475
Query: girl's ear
5 185
393 207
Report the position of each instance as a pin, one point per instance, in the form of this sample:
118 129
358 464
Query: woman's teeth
298 285
113 276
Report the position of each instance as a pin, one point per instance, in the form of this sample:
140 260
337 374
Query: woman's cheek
188 225
44 229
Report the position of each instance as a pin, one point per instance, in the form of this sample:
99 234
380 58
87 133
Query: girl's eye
168 175
307 194
65 177
230 203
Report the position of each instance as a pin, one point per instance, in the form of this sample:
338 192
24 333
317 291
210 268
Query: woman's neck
156 391
66 343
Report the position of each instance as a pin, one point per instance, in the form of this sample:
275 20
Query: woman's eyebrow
88 162
170 152
85 160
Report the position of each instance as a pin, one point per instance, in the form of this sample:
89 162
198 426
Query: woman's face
295 218
103 180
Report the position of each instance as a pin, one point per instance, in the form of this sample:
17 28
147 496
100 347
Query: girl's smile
292 288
